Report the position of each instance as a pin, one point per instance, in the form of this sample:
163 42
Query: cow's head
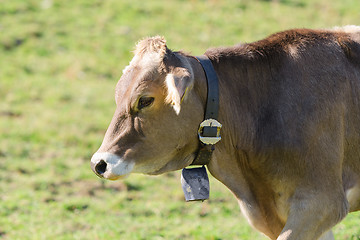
154 128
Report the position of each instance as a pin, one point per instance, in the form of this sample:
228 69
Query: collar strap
209 130
212 104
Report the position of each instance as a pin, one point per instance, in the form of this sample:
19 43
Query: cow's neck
230 161
225 163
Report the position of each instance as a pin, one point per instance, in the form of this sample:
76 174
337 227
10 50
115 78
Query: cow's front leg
312 214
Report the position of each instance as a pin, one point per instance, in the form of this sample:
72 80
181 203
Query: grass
59 63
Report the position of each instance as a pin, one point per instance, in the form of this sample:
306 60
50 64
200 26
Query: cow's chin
174 164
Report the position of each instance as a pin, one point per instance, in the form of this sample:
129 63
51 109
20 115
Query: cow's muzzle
110 166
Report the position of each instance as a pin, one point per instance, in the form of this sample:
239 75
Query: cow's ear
178 88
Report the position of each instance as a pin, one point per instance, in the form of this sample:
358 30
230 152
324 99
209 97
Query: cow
289 106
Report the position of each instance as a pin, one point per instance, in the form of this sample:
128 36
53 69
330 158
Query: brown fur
290 110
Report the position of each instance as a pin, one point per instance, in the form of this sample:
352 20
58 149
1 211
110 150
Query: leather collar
209 130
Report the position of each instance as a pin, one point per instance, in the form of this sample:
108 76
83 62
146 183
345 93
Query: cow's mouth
112 167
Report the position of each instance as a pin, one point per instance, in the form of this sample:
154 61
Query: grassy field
59 63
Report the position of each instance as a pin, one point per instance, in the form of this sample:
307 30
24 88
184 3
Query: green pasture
59 63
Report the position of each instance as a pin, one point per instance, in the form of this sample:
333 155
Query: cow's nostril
100 167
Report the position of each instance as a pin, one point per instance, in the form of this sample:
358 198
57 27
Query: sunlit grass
59 63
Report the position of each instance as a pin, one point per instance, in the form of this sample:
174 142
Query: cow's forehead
141 71
146 62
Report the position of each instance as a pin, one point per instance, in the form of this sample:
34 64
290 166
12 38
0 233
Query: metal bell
195 184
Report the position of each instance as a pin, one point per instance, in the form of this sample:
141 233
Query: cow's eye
144 102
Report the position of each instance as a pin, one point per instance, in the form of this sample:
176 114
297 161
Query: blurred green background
59 63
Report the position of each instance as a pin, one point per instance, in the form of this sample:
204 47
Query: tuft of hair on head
150 52
155 44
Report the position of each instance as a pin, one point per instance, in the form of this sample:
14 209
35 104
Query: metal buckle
210 123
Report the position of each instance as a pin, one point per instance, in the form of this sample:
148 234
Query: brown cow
290 110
